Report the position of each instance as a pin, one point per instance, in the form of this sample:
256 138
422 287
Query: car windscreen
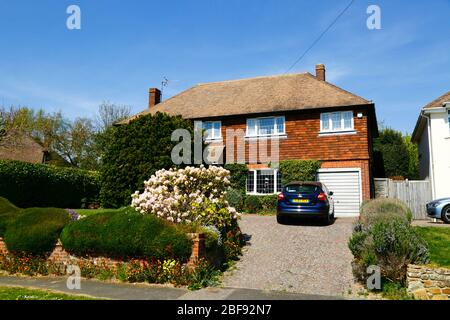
301 188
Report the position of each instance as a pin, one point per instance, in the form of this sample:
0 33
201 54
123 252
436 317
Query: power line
321 35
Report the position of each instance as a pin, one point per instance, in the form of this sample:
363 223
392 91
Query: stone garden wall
428 283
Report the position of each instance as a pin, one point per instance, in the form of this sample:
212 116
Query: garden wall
428 283
62 258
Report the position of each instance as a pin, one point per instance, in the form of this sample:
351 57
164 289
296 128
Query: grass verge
438 239
20 293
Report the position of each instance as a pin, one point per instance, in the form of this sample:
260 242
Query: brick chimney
320 72
154 97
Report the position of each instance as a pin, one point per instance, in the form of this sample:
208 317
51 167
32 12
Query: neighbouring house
21 147
312 118
432 134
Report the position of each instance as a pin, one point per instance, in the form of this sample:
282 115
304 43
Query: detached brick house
312 118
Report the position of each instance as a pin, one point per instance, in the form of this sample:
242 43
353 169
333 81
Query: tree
398 154
134 153
413 152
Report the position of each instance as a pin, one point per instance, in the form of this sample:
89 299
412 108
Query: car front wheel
446 215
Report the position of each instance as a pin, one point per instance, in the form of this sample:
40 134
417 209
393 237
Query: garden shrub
298 170
189 195
388 241
269 203
238 176
384 210
8 212
125 233
35 231
235 198
253 204
39 185
136 151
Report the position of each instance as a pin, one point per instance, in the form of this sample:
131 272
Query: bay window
264 181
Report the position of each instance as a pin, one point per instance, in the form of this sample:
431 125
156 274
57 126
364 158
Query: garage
346 187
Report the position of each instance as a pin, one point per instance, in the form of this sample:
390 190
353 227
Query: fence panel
414 193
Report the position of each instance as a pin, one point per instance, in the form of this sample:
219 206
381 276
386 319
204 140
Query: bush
135 152
238 176
235 198
269 203
8 212
253 204
40 185
190 195
35 231
125 233
384 210
386 240
298 170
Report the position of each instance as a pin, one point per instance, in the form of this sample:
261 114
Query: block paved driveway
303 257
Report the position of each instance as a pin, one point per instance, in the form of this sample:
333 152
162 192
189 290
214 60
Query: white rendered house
432 134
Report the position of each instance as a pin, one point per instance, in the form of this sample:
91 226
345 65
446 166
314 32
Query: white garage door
346 187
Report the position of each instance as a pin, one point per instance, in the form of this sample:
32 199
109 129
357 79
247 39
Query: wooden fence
415 194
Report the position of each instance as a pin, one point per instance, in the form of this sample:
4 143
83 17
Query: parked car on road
439 209
307 200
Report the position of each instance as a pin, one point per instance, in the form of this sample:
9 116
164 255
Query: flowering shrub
189 195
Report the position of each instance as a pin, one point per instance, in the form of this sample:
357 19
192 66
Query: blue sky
125 47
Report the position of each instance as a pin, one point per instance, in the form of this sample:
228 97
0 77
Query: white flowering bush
189 195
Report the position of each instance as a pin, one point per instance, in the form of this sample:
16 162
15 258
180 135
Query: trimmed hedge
35 230
39 185
8 212
136 151
125 233
298 170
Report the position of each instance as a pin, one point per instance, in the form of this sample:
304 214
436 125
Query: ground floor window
264 181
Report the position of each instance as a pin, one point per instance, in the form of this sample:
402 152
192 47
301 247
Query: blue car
439 209
305 200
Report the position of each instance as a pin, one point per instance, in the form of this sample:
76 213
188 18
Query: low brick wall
62 258
428 283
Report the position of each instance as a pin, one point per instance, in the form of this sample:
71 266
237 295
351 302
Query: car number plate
301 200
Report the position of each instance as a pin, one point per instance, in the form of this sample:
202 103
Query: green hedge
38 185
260 204
298 170
35 230
8 212
238 175
125 233
136 151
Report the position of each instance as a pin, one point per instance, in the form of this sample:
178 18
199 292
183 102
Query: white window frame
257 134
214 138
448 119
330 122
255 184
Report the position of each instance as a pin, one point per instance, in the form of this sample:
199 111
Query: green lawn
89 212
19 293
438 239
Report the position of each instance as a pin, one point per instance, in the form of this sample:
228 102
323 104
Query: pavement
430 223
126 291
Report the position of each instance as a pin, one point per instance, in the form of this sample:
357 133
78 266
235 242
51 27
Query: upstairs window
264 127
336 121
213 129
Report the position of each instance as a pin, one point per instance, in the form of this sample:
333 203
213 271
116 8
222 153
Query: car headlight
434 204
